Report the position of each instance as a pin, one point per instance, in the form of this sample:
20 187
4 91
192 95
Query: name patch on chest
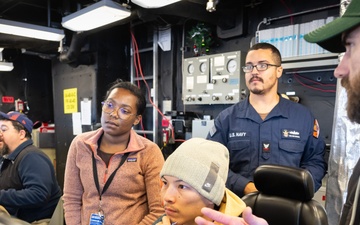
287 133
132 159
237 134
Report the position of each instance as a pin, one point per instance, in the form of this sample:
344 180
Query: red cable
318 89
137 62
318 83
289 11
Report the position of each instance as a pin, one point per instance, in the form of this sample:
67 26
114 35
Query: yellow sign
70 100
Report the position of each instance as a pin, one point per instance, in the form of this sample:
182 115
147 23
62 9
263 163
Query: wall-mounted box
214 79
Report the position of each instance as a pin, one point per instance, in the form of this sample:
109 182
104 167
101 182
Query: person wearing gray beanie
193 177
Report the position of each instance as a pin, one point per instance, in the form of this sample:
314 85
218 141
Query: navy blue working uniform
28 185
288 136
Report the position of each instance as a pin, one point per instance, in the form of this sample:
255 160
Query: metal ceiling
50 12
38 12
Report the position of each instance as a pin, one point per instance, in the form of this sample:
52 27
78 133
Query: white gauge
203 67
191 68
231 66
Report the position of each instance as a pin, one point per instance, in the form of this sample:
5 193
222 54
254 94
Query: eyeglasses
109 107
260 67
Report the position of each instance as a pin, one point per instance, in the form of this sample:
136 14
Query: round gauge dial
191 68
203 67
231 66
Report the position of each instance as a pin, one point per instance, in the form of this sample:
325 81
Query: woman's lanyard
107 184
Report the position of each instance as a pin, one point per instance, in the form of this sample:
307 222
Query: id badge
96 219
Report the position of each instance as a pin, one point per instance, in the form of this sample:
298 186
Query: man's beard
4 150
258 91
353 94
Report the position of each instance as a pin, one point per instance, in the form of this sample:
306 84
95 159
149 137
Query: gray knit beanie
201 163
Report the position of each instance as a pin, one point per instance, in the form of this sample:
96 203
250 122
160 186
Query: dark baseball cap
19 117
329 35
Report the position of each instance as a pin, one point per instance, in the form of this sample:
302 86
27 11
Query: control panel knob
189 99
199 99
243 94
229 97
215 98
213 81
224 80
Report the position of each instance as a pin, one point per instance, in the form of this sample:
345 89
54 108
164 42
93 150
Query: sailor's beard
353 94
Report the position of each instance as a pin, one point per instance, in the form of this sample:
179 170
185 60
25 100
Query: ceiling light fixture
5 66
211 6
97 15
31 30
153 3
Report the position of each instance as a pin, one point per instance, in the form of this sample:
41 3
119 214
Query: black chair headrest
284 181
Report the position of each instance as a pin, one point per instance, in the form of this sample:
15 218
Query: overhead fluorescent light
153 3
31 30
97 15
6 66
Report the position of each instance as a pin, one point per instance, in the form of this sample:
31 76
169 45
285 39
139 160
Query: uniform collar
246 110
135 143
282 108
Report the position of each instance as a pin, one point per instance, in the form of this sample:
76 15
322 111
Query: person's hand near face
247 219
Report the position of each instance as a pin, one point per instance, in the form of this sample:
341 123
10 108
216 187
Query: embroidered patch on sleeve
316 131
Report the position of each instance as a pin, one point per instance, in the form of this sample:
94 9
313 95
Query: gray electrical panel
214 79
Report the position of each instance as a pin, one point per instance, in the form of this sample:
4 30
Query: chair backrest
58 215
285 197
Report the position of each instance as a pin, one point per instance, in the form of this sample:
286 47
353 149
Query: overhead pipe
267 21
70 54
49 13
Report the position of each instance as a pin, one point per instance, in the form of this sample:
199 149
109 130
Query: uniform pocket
291 152
240 156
